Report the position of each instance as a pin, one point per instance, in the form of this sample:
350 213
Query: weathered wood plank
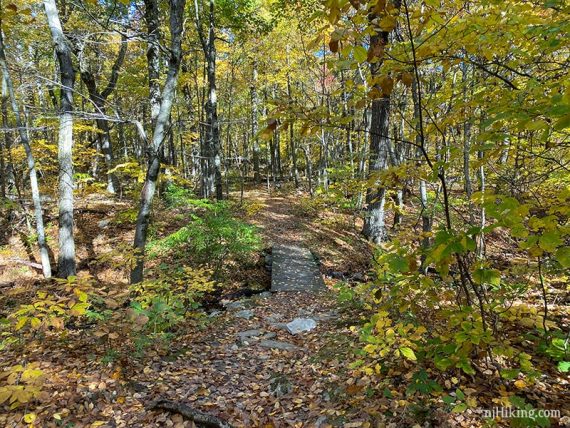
294 269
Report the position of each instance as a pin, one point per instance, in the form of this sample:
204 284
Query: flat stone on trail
294 269
299 325
249 333
245 314
264 295
234 306
275 344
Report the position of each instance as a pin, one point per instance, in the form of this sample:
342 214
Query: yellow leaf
79 309
21 323
35 323
407 79
21 395
388 23
520 384
5 393
29 418
408 353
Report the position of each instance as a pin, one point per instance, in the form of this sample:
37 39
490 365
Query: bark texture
159 132
66 256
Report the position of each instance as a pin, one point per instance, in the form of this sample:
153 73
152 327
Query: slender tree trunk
24 138
4 142
99 100
482 187
307 152
254 124
212 110
66 257
211 146
152 19
467 144
426 218
292 148
159 134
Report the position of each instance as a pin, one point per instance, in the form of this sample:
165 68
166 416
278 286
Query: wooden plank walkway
294 269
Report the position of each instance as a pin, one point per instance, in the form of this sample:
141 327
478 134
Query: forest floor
220 363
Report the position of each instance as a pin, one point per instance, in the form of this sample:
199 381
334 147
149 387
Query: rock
326 316
234 306
249 333
358 277
245 314
299 325
275 344
264 295
268 262
280 325
336 275
280 385
103 223
214 314
273 318
269 335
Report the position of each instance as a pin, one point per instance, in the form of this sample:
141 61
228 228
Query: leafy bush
176 195
162 303
212 236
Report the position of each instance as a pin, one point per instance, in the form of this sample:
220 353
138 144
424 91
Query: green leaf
443 363
466 367
398 263
564 366
563 256
79 309
459 408
448 399
549 241
487 276
360 54
408 353
562 123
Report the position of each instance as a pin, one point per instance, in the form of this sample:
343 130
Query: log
201 419
22 262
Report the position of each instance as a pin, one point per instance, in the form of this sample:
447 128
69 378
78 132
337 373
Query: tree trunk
211 147
426 218
4 142
307 152
99 100
151 15
66 257
254 124
159 133
375 220
22 129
